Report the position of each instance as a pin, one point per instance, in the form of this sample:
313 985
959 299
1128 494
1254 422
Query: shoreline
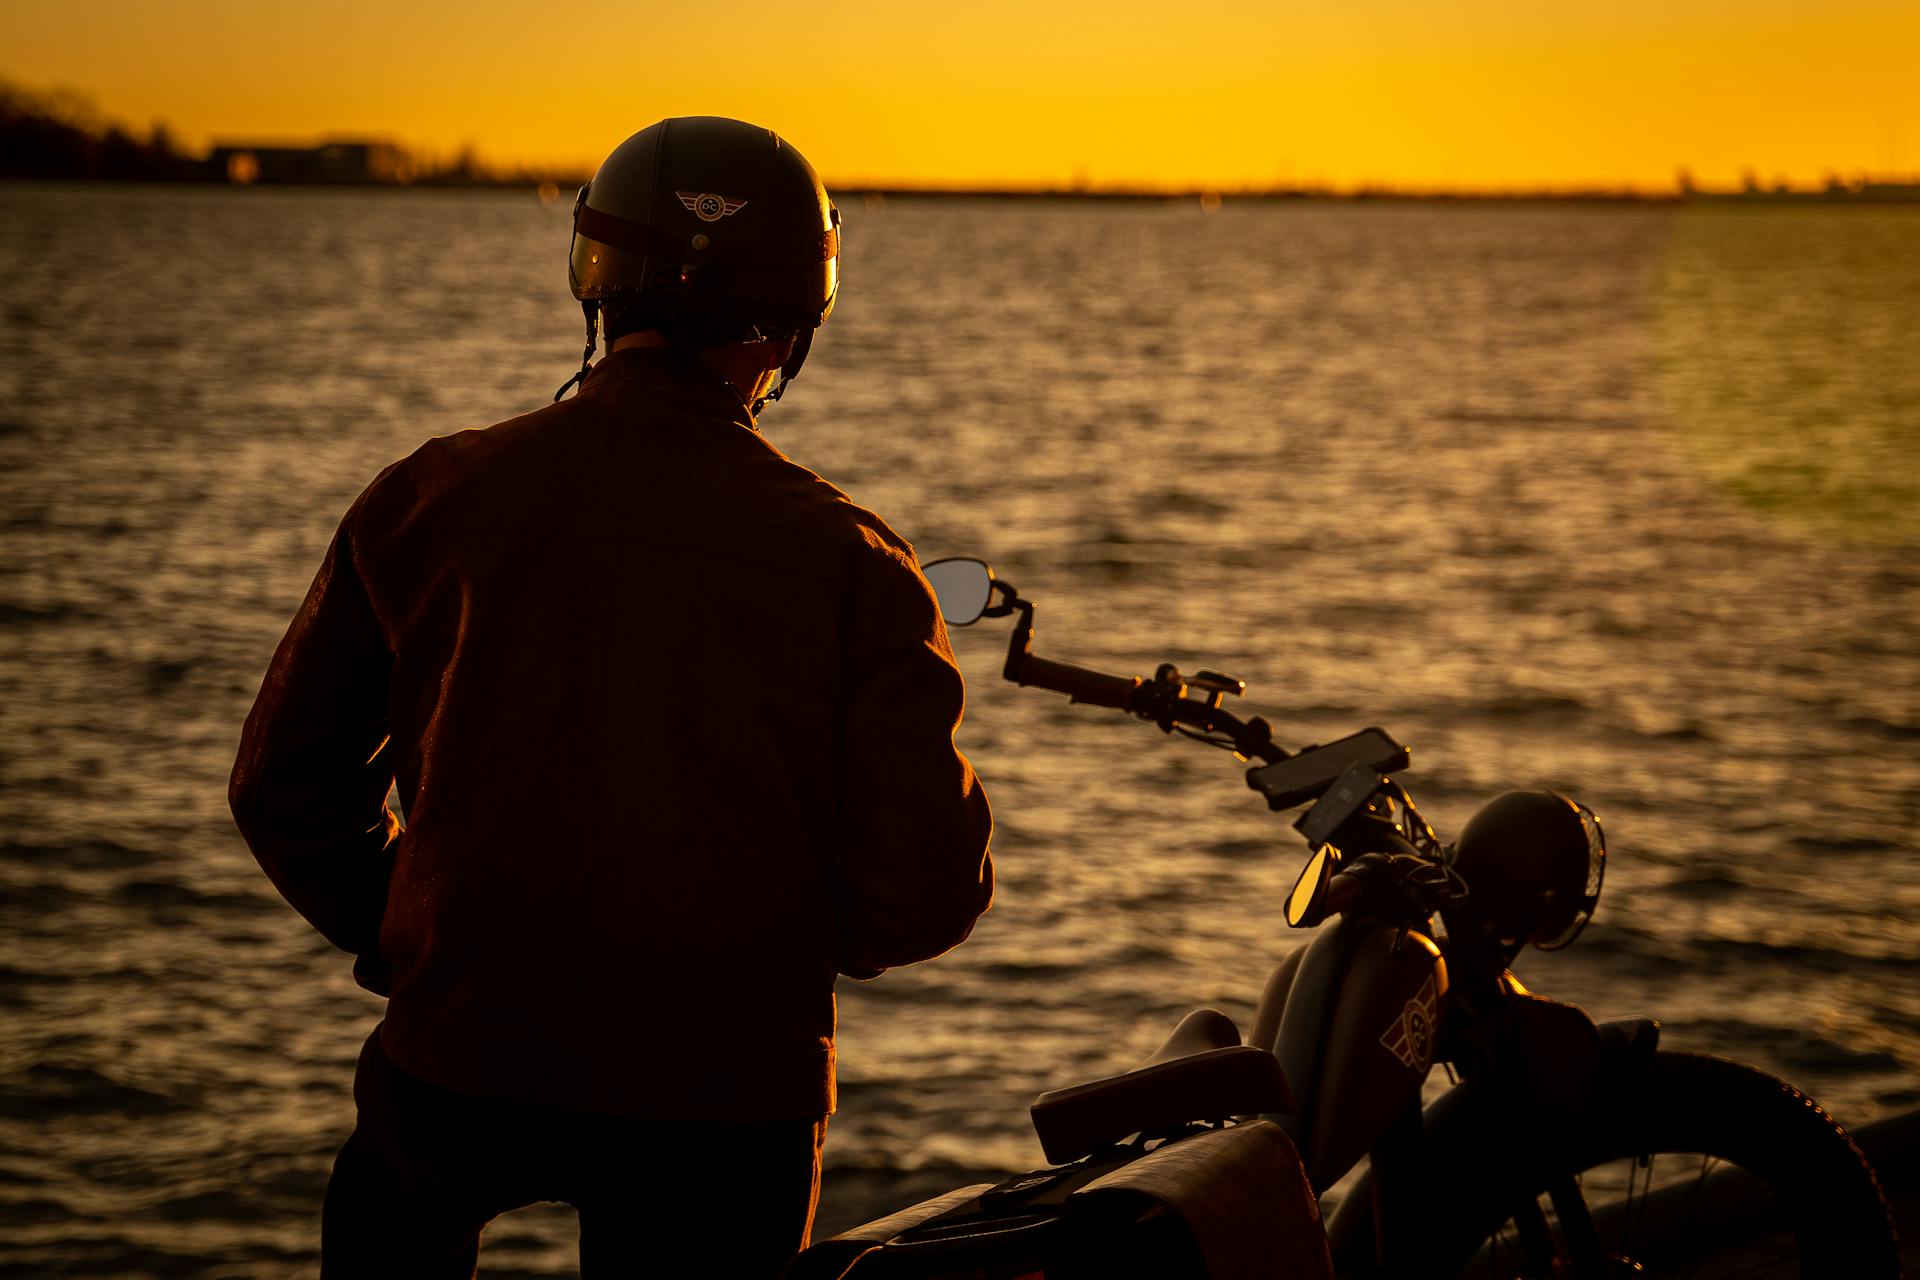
552 190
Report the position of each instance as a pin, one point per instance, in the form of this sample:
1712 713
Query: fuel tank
1353 1017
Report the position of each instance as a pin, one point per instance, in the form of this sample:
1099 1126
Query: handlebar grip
1343 892
1095 688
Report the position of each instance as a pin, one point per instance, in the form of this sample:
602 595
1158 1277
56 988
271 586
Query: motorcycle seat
1202 1072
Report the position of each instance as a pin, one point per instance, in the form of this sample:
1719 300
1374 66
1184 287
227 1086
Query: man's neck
742 364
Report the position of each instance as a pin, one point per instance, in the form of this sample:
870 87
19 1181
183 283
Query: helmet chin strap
788 371
592 312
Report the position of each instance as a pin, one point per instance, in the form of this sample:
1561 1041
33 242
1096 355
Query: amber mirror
1307 904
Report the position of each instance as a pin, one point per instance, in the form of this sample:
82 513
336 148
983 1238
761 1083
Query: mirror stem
1020 643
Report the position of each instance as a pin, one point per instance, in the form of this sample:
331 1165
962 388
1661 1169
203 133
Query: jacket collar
690 384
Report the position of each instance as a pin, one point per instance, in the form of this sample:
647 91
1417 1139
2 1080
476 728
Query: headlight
1533 862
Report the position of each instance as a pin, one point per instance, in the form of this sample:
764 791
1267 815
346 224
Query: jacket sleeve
310 784
914 872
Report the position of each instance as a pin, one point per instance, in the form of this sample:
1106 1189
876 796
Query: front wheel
1706 1168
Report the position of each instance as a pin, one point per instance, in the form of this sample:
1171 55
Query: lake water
1623 501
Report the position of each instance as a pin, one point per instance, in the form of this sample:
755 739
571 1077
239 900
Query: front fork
1452 1141
1581 1255
1400 1171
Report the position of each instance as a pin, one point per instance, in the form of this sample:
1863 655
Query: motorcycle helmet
1533 862
711 230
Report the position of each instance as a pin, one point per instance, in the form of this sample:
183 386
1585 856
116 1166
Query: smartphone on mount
1305 776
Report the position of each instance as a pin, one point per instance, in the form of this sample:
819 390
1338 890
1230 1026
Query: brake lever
1166 700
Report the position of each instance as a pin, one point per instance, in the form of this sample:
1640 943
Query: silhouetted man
671 723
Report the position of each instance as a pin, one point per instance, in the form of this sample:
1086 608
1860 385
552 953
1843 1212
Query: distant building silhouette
340 161
1893 192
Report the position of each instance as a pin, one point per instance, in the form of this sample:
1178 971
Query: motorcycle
1562 1148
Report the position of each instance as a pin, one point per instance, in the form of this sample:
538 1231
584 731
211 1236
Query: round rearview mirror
1307 904
963 587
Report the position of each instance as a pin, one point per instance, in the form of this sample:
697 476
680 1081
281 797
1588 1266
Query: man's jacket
671 722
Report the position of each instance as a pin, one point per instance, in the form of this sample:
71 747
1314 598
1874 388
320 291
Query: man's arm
310 784
913 865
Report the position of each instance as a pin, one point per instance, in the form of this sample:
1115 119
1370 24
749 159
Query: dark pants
425 1169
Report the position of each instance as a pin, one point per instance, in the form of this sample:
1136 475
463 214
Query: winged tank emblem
709 207
1409 1037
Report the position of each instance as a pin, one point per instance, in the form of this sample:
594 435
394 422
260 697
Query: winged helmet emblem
709 207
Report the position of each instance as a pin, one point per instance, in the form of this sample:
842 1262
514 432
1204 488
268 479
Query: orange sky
1458 93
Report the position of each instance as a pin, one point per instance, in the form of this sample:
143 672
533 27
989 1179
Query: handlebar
1391 870
1362 888
1390 874
1163 699
1080 684
1392 877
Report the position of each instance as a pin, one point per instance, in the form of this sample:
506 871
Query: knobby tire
1822 1202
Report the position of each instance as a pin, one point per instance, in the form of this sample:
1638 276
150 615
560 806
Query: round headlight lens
1596 838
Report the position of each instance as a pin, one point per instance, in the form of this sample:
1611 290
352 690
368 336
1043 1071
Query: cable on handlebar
1164 701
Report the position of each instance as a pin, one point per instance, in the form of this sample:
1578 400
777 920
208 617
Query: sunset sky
1453 93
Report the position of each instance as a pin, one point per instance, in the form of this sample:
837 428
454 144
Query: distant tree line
61 134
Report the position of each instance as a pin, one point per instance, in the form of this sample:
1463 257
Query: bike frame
1359 1016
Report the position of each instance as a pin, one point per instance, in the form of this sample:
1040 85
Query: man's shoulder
717 470
836 505
448 465
867 535
475 446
